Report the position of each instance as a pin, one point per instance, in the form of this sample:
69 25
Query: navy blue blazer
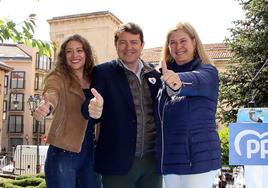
115 150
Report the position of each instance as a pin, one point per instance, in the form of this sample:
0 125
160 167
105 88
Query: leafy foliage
23 32
36 181
248 43
30 176
224 137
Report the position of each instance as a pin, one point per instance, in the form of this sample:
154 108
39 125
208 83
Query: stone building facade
97 27
23 80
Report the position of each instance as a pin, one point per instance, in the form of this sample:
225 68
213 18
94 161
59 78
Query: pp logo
256 145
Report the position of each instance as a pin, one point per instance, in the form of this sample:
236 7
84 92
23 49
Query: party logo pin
152 80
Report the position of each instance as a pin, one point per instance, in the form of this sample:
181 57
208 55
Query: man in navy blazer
126 143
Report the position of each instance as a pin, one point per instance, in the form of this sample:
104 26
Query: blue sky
211 18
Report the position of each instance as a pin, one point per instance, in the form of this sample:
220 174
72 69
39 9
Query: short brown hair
130 28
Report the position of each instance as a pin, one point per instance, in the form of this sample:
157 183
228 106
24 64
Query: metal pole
20 157
37 148
33 103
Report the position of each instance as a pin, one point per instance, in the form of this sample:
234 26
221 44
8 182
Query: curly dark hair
61 65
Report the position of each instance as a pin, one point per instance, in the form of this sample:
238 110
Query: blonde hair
190 30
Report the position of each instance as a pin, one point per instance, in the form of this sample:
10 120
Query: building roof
151 54
15 51
28 50
216 51
5 67
91 14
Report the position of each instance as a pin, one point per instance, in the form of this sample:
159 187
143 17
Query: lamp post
27 139
14 99
33 103
16 103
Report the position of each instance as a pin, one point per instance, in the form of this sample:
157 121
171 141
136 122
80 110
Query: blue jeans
64 169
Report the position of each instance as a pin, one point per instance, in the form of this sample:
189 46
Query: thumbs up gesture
95 105
170 78
43 109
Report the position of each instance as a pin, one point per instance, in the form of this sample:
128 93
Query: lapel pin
152 80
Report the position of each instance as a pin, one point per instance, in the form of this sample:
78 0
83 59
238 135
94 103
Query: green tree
248 42
23 32
224 137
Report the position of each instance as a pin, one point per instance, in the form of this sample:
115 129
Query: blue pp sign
248 144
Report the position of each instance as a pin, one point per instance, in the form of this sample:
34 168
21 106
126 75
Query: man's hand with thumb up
95 105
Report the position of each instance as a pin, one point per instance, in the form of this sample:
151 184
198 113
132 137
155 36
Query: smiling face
129 48
181 47
75 55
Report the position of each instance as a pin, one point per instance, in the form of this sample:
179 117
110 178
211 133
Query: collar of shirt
140 66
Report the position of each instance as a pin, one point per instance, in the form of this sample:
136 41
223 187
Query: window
15 124
16 102
17 80
4 110
34 141
6 85
47 63
13 142
43 62
42 126
37 61
38 81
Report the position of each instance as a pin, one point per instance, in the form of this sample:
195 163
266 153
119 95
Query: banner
248 144
252 115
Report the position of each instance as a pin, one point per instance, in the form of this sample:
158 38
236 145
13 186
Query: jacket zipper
162 130
189 150
142 112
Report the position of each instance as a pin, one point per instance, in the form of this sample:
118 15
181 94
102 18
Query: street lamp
33 103
27 139
15 103
15 100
